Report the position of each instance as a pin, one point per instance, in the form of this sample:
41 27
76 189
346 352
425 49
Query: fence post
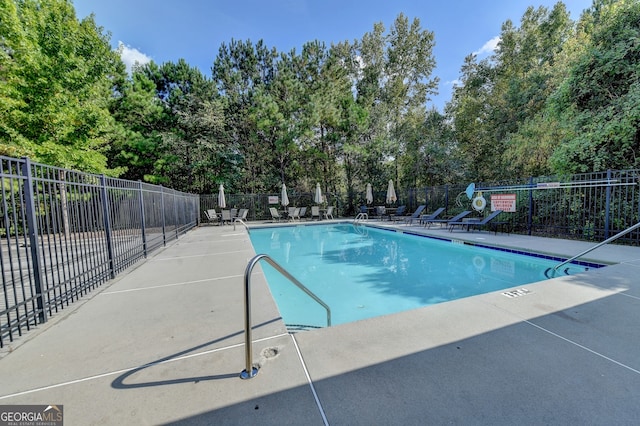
164 230
412 199
197 206
607 205
107 225
446 197
175 213
530 215
142 221
32 226
426 198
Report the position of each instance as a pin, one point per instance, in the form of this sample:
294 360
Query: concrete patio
164 344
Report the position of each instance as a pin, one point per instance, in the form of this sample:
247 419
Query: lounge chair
315 212
291 213
225 217
415 215
456 218
303 213
242 215
329 213
275 216
294 214
399 214
212 216
432 216
475 223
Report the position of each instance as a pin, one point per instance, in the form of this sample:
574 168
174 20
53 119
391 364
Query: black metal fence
63 233
588 206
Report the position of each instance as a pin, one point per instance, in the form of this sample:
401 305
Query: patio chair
416 214
475 223
456 218
315 212
399 214
380 212
294 214
242 215
275 216
212 216
431 216
303 213
225 217
329 213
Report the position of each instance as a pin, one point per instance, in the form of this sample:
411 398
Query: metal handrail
237 219
607 241
250 371
361 216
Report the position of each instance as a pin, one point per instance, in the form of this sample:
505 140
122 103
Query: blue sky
167 30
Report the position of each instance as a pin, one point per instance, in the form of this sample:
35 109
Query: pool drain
270 352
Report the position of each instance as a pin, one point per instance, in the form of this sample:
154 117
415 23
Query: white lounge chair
291 211
226 217
242 215
329 213
275 216
315 212
212 216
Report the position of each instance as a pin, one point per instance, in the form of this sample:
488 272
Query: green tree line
557 96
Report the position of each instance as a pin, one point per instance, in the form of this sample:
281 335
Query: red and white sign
504 202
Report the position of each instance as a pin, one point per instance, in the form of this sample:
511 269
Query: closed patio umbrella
284 197
369 196
318 196
391 193
222 203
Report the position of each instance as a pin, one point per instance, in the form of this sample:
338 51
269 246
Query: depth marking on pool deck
517 293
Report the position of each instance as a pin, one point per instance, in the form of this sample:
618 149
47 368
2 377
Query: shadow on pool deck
164 344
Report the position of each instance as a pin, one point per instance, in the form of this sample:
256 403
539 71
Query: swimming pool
362 272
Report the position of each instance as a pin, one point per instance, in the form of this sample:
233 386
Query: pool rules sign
504 202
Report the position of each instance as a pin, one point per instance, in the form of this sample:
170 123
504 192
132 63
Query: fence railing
587 206
63 233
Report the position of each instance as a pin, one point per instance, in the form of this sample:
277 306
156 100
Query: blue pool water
362 272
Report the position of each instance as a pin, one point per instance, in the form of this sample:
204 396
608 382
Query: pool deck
164 344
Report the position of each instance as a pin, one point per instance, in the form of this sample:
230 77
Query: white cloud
132 56
455 82
489 47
